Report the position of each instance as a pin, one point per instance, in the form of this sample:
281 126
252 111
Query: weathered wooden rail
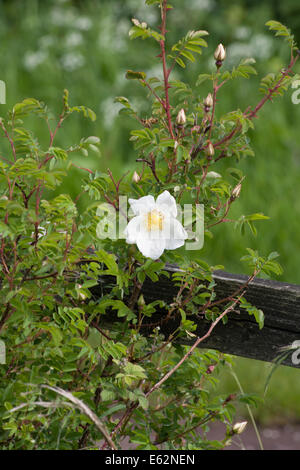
241 335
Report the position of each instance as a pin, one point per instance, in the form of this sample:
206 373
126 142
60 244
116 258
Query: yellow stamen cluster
154 220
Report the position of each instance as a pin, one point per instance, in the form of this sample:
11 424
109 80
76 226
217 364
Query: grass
279 405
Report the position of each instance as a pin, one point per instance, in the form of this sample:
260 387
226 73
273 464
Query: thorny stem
7 313
52 136
223 218
151 165
215 86
273 90
95 325
250 114
210 304
9 139
154 93
166 72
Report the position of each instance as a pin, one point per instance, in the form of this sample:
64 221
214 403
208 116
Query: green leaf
55 332
59 153
107 395
257 216
141 30
29 106
259 317
114 409
202 78
87 112
131 75
282 30
193 41
92 139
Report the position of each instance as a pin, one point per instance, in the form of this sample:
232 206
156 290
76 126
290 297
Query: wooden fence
241 335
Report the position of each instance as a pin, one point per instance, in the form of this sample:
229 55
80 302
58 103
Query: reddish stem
9 139
166 72
267 97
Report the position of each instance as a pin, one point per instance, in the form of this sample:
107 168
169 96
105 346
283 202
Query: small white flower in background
74 39
46 41
84 23
33 59
72 61
62 16
154 227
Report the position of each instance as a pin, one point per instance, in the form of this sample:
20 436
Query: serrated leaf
131 75
202 78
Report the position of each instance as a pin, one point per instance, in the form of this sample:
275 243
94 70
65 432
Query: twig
86 410
267 97
208 417
166 73
9 139
197 342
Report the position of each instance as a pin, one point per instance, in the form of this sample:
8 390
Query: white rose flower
154 227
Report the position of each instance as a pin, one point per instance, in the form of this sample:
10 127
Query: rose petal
176 235
167 203
133 229
151 248
143 205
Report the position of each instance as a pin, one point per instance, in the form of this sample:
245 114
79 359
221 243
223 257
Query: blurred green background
83 45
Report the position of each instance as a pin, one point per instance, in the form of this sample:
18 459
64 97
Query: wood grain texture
241 335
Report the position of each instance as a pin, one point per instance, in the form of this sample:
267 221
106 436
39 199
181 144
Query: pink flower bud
236 192
209 101
220 53
136 177
181 118
210 150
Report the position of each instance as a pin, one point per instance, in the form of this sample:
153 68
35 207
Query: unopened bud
136 177
220 54
210 150
181 118
238 428
210 369
236 192
209 101
141 301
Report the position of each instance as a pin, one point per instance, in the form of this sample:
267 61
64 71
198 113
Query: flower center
154 220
